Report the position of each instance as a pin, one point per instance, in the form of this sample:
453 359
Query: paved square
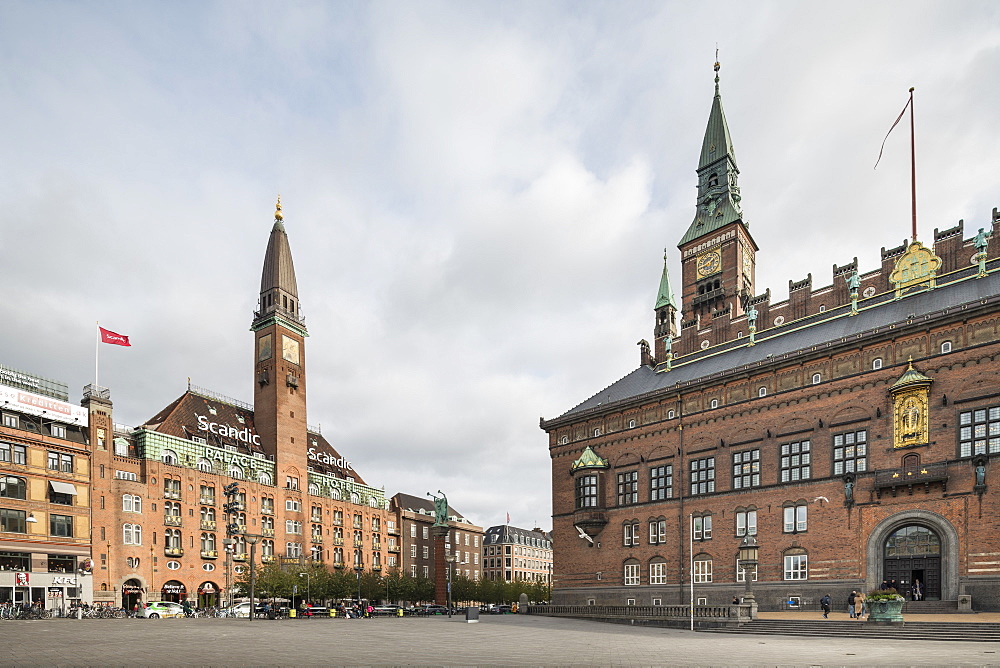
497 640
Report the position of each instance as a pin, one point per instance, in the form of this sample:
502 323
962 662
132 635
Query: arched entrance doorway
173 590
208 595
912 553
131 594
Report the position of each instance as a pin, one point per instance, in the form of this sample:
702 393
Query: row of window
15 487
453 535
14 422
13 453
21 561
16 521
795 521
849 455
796 567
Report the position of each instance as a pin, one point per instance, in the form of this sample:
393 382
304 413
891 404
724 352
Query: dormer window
211 409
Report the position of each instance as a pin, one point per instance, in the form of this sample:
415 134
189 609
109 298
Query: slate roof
504 533
279 270
801 336
179 419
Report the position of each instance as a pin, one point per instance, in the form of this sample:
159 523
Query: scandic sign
226 430
329 459
107 336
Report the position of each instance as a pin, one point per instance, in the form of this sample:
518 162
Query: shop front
50 581
132 594
173 590
208 595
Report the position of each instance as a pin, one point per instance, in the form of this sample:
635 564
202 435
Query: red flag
107 336
508 518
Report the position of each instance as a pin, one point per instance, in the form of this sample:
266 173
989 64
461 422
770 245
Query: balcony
393 548
206 500
208 525
243 528
172 494
895 479
240 556
377 568
267 532
172 520
338 564
315 518
317 539
338 523
376 546
392 531
359 543
209 554
239 506
267 559
338 541
173 551
267 511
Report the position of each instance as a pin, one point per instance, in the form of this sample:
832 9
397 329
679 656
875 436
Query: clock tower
280 360
717 251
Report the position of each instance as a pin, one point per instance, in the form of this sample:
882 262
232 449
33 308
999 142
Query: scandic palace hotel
94 511
841 438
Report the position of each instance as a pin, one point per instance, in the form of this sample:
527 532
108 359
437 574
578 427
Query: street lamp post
253 539
357 572
308 578
451 559
227 546
748 561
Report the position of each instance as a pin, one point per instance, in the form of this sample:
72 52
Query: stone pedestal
440 565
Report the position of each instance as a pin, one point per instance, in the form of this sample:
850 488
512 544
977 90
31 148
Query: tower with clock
717 251
280 360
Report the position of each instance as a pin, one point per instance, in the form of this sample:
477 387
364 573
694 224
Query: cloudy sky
477 195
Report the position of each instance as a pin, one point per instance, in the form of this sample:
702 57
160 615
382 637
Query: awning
63 487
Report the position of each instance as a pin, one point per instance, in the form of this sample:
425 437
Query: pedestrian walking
859 605
850 603
825 604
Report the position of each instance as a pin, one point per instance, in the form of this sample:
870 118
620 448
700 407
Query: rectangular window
796 567
702 476
4 452
658 574
427 552
292 504
657 532
57 431
746 523
20 454
291 482
631 574
586 491
795 461
795 519
66 463
53 461
628 488
426 533
13 521
15 561
631 534
703 527
850 452
427 571
413 531
10 420
661 483
746 469
979 431
703 570
413 551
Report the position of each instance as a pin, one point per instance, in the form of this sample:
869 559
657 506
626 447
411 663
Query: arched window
335 493
703 567
170 457
204 465
132 534
235 472
876 364
373 502
131 503
207 542
714 403
796 564
946 347
355 497
172 539
313 489
12 487
264 478
817 378
631 572
657 571
761 391
670 414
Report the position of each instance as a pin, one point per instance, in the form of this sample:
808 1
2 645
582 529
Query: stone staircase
930 607
967 631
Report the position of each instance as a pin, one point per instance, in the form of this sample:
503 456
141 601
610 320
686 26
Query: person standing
859 605
918 590
825 604
850 603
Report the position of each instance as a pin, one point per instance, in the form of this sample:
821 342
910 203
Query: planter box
885 612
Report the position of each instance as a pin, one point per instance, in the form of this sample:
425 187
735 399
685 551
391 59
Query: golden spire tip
277 210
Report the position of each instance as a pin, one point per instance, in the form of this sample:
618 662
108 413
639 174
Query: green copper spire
718 192
665 297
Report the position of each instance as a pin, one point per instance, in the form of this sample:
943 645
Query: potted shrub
885 605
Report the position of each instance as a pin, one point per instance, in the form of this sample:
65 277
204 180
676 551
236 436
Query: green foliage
884 595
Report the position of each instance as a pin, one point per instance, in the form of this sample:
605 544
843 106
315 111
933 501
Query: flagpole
97 355
913 167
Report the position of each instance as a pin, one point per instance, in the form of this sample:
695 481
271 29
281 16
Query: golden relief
917 266
264 348
910 424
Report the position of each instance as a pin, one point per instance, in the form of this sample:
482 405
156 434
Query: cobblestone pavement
516 640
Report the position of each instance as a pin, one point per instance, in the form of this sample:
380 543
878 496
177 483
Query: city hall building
848 434
159 526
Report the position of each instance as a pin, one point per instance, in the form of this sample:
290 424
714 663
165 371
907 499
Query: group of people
916 589
856 607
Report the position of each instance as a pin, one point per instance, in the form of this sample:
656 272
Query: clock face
289 349
709 263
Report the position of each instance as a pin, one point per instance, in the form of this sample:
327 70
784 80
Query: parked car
158 609
239 610
499 609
